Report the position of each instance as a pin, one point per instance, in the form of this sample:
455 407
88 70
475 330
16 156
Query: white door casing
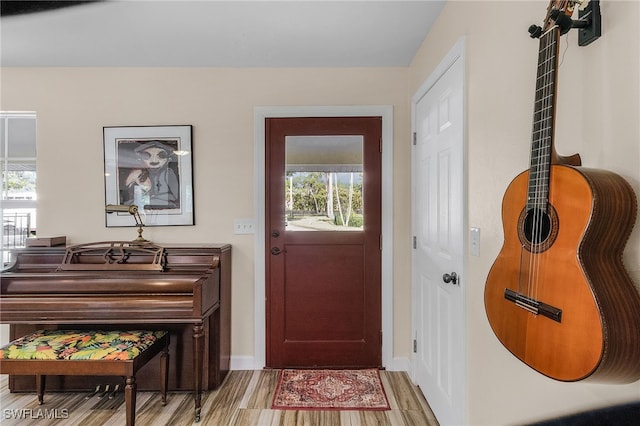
438 221
260 113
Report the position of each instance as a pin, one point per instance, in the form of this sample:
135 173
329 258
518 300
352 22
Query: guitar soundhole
538 229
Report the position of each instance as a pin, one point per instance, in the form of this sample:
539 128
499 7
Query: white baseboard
399 364
243 363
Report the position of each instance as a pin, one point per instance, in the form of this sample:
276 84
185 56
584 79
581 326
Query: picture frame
151 167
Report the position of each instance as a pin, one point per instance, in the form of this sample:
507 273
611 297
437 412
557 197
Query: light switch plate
474 241
243 226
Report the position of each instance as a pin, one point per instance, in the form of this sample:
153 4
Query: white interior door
439 217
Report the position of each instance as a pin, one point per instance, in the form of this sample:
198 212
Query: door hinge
415 346
415 138
415 242
380 144
381 242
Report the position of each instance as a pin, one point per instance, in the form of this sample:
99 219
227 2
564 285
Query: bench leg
164 373
130 400
40 383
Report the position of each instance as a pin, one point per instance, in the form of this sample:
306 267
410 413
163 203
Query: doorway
323 233
439 220
258 359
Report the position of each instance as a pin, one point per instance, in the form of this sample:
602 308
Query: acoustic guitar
558 296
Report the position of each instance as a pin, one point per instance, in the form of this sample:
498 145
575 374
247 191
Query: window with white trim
18 171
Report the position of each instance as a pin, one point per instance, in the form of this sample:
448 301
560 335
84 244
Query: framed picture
151 167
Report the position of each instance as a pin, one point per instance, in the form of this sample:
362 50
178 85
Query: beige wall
597 116
73 104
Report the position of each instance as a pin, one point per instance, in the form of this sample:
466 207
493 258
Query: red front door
323 225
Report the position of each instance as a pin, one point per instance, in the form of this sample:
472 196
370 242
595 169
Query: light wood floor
244 399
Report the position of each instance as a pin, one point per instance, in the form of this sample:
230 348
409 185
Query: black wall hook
592 30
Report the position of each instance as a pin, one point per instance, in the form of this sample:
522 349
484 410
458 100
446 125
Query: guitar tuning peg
563 21
535 31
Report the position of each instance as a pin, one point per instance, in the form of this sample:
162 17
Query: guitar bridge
534 306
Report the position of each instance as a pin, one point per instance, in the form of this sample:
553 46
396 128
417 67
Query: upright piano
184 289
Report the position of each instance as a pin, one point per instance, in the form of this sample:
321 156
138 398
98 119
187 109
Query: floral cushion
81 345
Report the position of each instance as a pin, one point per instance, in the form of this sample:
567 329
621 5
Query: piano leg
198 361
164 373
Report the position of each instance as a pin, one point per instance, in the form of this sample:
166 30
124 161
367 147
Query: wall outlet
243 226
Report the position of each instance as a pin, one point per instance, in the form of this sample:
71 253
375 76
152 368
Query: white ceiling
211 33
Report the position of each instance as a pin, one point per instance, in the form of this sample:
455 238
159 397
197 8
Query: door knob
275 233
276 250
450 278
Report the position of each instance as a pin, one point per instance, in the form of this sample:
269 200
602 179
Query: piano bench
88 353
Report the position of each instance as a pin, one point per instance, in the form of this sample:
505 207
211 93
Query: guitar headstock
558 15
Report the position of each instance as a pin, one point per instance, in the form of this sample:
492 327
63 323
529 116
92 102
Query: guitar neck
543 120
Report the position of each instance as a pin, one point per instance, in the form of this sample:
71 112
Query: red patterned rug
330 390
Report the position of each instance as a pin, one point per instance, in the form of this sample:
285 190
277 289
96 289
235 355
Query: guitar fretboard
543 121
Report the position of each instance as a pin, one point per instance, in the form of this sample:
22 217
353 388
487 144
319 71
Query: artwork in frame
151 167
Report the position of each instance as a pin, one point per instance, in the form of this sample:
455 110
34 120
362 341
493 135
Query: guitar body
593 329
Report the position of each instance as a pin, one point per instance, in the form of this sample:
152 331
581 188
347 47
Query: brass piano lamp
133 211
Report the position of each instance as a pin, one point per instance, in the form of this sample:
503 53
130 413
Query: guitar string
539 171
542 72
566 48
526 274
542 151
541 164
552 64
533 190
